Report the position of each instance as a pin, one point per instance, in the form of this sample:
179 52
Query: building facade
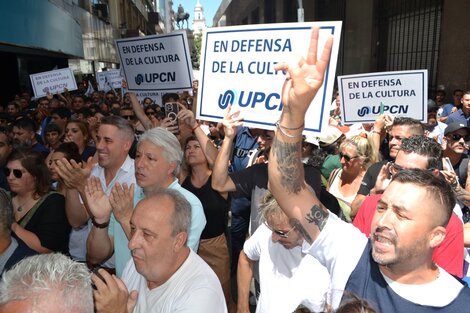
378 35
41 35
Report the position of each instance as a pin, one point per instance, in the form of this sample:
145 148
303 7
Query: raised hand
231 121
305 76
97 200
111 295
73 174
122 201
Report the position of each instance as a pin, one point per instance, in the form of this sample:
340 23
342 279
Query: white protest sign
237 67
53 82
401 93
156 63
154 95
108 80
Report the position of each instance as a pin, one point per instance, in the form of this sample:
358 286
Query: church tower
199 21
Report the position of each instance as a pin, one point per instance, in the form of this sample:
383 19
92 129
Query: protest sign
53 82
108 80
401 93
238 69
156 63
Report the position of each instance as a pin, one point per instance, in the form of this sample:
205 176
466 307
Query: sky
209 7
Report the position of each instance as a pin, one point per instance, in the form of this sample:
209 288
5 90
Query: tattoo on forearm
318 216
298 226
289 165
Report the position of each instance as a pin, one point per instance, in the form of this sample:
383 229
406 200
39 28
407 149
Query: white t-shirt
194 288
340 246
287 276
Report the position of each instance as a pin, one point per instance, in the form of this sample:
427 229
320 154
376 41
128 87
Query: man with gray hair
51 283
12 250
163 275
157 162
288 278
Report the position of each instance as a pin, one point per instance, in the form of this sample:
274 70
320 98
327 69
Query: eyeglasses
16 172
347 157
457 137
394 168
280 233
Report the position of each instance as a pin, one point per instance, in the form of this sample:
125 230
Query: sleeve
245 180
313 179
339 247
368 182
449 254
252 246
50 224
198 222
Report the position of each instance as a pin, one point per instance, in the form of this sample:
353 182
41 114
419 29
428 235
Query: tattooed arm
286 173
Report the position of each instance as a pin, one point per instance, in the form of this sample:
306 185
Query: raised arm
221 181
138 110
286 173
209 149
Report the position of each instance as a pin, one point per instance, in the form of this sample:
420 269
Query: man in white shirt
164 275
288 277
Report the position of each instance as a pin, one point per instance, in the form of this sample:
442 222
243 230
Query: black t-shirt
370 177
215 207
50 223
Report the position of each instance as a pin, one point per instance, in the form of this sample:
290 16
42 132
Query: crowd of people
135 211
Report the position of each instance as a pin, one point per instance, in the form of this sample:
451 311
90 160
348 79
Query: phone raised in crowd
171 111
447 165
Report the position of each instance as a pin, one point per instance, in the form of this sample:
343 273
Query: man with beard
454 143
402 127
393 270
24 135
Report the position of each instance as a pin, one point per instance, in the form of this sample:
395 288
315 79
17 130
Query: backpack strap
33 210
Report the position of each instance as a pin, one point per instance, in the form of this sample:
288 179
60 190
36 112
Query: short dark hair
70 151
436 187
26 124
424 146
415 127
166 97
62 112
51 127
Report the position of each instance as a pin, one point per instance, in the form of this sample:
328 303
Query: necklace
20 207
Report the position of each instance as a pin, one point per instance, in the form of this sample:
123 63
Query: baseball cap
452 127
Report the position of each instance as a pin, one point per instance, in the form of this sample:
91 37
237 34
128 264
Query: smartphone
447 165
171 111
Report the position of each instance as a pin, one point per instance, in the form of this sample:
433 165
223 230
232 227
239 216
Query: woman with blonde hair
356 155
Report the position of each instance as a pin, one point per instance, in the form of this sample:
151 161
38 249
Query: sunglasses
280 233
347 157
128 117
395 168
151 113
457 137
16 172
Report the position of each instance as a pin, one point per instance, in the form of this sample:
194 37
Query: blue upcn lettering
46 89
363 111
227 98
139 79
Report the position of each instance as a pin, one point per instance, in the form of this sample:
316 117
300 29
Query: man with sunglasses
454 143
402 127
287 276
423 153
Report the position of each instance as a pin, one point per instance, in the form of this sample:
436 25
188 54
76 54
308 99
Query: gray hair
6 213
181 217
53 274
269 209
168 143
122 124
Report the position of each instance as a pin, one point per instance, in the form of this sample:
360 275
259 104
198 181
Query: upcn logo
251 99
164 77
393 109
